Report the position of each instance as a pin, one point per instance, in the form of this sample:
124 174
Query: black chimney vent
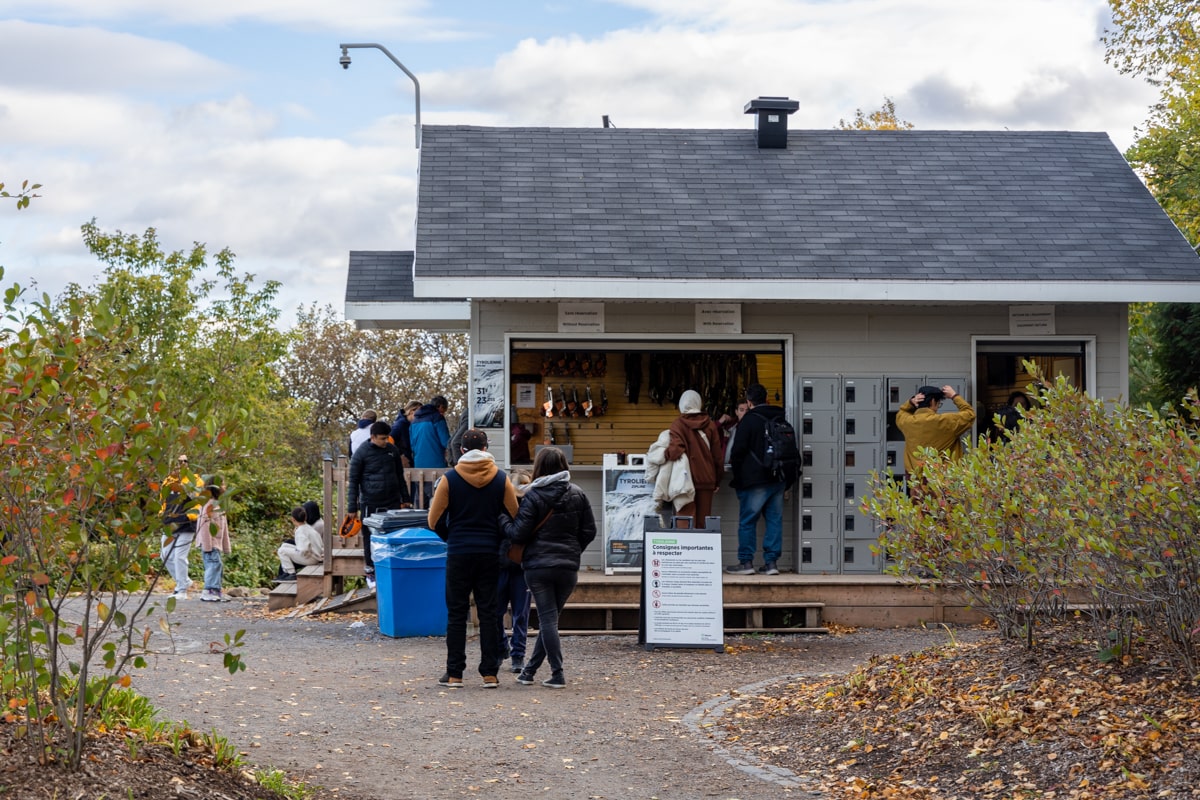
772 120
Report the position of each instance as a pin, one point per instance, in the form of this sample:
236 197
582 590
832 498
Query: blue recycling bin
410 582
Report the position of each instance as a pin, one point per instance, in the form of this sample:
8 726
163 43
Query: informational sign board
719 318
487 378
682 600
1031 320
581 317
628 498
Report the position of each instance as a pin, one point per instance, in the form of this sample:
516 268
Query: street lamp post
345 62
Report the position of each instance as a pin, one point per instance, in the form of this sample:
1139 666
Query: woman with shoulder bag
554 525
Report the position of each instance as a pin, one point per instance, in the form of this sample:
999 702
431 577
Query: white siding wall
828 339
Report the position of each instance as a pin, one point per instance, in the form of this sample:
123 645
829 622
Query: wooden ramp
361 599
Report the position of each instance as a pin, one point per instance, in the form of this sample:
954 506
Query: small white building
841 269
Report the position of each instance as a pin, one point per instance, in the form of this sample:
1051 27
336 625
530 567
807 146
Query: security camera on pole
345 62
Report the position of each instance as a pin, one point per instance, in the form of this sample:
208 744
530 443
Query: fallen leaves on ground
985 720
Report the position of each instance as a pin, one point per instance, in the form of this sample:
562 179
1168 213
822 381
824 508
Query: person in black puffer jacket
376 483
555 524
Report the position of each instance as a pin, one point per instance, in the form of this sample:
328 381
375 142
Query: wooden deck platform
609 603
752 603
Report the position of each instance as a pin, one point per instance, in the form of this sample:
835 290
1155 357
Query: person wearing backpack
760 480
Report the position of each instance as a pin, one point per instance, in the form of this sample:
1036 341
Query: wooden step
802 617
310 584
348 561
282 596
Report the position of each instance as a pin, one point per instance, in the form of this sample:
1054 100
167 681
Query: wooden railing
335 478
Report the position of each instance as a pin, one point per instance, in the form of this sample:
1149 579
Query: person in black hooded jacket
555 524
376 483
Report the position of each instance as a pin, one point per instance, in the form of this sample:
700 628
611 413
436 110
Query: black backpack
781 452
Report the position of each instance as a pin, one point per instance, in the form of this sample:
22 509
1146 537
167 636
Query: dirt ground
336 703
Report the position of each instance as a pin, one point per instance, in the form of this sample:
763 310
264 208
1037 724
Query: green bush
1084 503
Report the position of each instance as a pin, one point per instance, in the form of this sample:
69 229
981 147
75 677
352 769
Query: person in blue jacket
430 435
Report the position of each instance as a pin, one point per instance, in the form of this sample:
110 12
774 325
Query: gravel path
338 704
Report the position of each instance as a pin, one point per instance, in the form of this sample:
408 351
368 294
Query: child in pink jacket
212 534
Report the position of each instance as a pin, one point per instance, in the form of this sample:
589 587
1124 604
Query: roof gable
578 206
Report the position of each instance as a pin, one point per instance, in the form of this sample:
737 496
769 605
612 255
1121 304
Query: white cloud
1025 64
414 18
91 59
141 132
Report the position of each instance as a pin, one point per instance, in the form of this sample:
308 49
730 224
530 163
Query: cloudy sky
229 122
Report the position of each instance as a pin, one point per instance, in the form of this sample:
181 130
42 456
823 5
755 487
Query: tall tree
882 119
339 371
1157 40
208 334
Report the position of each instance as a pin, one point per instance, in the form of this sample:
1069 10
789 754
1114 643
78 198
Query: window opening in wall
805 555
848 555
806 522
1001 374
619 395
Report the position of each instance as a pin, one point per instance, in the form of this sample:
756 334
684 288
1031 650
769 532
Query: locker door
819 490
958 382
819 425
818 393
860 459
818 556
858 555
863 426
820 458
819 539
862 394
899 389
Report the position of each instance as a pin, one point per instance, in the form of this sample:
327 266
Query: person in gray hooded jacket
555 524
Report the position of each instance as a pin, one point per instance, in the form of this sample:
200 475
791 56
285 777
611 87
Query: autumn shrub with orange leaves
86 435
1087 508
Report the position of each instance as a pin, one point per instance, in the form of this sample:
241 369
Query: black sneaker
768 568
451 682
741 568
518 665
555 681
525 678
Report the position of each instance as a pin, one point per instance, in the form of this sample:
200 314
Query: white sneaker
370 582
179 595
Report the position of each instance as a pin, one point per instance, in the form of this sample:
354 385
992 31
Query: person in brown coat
695 434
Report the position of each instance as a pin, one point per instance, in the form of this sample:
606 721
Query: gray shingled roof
879 205
384 276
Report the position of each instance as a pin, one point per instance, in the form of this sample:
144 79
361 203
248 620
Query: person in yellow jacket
922 425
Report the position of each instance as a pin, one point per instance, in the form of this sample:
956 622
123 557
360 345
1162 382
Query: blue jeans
513 591
551 588
767 502
466 575
214 570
